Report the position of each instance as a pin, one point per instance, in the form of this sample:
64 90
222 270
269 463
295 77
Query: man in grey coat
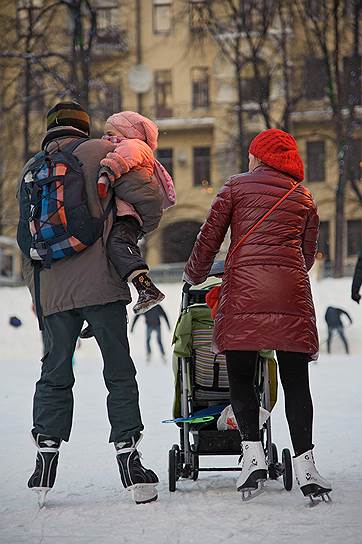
87 287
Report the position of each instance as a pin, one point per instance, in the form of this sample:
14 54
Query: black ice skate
43 477
142 482
254 471
311 483
148 294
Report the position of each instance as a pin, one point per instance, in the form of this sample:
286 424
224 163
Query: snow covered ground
88 505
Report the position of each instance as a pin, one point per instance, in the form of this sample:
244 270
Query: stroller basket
217 442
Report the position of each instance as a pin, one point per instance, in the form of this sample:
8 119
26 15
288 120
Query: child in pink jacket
135 137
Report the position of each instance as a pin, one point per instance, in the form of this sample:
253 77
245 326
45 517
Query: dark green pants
53 399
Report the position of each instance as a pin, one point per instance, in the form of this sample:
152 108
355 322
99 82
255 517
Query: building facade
159 57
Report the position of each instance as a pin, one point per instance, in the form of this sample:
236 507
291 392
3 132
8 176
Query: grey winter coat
89 278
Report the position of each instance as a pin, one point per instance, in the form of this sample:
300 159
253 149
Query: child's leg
126 257
122 247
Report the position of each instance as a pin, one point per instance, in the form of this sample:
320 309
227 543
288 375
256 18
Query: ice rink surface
88 505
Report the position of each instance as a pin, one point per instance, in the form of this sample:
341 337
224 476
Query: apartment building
154 56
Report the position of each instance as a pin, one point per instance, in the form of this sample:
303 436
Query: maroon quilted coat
265 299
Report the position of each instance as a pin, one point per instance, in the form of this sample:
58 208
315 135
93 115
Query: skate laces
120 446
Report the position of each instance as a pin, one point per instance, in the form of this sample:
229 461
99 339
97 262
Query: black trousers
293 371
53 399
122 247
340 331
157 329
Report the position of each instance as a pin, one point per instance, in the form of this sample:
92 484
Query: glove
356 297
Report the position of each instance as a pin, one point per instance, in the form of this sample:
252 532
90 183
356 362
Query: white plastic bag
227 421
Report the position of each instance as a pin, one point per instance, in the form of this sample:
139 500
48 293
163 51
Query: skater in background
265 298
357 280
335 323
153 324
86 287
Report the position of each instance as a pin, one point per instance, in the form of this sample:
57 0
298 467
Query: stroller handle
186 287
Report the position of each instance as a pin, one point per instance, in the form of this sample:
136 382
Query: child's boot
148 294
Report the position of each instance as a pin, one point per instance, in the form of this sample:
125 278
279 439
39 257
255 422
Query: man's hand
356 297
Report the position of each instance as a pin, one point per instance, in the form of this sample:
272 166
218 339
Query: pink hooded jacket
135 137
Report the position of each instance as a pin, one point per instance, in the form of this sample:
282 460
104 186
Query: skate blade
41 495
314 500
143 493
248 494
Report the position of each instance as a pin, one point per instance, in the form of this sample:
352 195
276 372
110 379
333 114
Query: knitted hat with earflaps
279 150
130 124
70 114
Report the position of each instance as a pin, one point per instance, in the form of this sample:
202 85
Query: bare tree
239 28
332 33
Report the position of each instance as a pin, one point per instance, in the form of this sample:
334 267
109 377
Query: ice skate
43 477
311 483
254 471
148 294
87 332
140 481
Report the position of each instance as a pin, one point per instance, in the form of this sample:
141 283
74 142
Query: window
355 159
316 161
27 13
354 237
112 98
161 16
202 166
352 80
200 87
106 18
108 27
323 239
198 15
254 89
163 93
165 156
315 79
37 103
37 90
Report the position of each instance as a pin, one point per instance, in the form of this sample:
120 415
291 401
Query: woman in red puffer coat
265 299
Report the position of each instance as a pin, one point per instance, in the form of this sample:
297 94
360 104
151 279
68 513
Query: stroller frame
184 458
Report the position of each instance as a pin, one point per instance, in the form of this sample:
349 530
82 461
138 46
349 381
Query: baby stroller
202 392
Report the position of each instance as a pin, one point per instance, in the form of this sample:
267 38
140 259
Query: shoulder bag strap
251 230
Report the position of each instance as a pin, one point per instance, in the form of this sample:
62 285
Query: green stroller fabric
192 338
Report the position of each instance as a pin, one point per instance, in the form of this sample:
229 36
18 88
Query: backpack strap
70 148
265 216
38 310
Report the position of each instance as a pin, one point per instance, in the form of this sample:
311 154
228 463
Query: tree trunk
239 112
340 208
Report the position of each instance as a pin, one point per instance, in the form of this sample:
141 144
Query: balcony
111 39
181 117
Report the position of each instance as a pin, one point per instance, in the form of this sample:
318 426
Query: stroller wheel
195 467
176 448
274 453
273 464
288 470
172 469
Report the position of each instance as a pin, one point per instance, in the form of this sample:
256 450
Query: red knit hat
279 150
